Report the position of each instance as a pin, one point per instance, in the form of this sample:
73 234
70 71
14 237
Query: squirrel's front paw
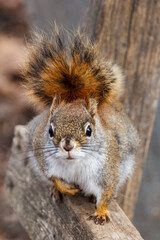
65 188
71 190
100 217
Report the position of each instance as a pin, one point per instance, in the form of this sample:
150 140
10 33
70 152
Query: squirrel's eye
88 131
51 133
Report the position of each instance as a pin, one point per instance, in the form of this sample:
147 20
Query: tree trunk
128 33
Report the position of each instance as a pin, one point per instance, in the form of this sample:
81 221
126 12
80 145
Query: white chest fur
84 170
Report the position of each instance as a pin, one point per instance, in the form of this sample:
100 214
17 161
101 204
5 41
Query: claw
108 219
91 217
99 219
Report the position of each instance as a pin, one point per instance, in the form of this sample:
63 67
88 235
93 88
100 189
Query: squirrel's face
71 129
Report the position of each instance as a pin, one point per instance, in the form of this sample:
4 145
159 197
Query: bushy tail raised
72 70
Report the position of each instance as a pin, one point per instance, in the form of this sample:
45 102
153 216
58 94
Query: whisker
49 156
46 144
90 153
39 155
35 149
88 149
92 146
90 143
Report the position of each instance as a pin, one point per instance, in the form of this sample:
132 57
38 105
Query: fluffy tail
73 71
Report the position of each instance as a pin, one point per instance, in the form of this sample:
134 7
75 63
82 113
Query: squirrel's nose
68 146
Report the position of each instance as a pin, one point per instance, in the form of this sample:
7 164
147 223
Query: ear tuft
91 105
55 103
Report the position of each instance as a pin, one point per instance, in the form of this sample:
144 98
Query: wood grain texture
128 33
42 217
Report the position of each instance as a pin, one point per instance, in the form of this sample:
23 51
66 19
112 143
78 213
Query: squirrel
83 140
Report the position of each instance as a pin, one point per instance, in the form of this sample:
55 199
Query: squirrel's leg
102 213
64 187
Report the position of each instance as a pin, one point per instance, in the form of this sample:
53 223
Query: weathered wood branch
128 32
45 219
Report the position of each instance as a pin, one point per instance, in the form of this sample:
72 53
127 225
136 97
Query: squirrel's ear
55 103
91 105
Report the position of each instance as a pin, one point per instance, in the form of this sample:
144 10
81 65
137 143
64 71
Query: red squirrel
83 140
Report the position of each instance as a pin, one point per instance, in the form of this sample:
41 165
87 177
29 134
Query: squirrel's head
72 128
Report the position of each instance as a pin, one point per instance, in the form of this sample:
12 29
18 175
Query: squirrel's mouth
69 157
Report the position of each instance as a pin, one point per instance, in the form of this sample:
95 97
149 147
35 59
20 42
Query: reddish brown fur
74 73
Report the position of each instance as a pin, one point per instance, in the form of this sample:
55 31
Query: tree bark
128 33
43 218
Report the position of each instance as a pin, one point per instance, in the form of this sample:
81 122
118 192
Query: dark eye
51 133
88 131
